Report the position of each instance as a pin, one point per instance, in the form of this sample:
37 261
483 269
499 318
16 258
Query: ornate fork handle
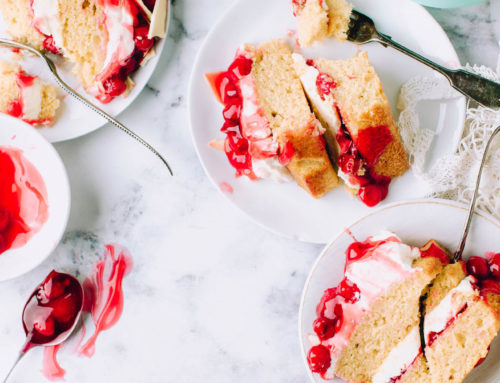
83 100
480 89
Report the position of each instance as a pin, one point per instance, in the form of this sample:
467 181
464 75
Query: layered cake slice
26 97
349 100
367 328
105 40
270 129
319 19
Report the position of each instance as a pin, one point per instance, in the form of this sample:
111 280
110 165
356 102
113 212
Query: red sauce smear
23 199
433 250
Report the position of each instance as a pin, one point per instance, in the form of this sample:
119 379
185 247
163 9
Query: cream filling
400 358
120 27
32 100
325 108
437 320
270 168
46 19
347 180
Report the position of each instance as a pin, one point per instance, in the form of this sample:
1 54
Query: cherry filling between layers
122 17
23 199
248 135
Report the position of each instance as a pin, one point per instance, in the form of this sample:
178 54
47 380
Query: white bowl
42 155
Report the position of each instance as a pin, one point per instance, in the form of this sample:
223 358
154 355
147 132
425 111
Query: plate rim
48 148
191 92
434 201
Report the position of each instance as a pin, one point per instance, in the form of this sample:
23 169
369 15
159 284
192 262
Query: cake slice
319 19
26 97
270 129
104 40
367 328
349 100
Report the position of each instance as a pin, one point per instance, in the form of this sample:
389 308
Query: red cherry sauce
373 187
52 310
494 264
325 84
433 250
434 335
478 267
104 293
23 199
255 142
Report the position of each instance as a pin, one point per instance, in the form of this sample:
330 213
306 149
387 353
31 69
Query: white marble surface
212 297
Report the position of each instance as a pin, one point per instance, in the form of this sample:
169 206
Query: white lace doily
453 176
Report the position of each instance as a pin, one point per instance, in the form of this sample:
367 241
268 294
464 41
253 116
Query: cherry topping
495 265
349 291
237 143
232 111
286 154
432 249
114 86
478 267
373 141
328 295
141 40
4 219
241 67
489 286
372 194
324 328
319 359
15 109
325 84
355 251
50 45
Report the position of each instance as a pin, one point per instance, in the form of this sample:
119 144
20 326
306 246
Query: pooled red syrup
104 293
373 187
240 147
52 310
23 199
103 300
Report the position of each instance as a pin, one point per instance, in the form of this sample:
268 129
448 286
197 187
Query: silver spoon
458 254
79 97
362 30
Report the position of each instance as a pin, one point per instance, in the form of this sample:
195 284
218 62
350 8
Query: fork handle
478 88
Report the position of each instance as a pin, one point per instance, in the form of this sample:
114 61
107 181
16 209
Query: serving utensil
79 97
362 30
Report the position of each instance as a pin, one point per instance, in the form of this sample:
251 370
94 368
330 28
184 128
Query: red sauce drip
104 293
433 250
50 45
373 187
349 291
489 286
372 142
325 84
286 154
52 309
398 378
23 199
15 108
481 361
50 367
328 295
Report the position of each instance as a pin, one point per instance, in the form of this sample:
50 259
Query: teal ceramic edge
447 3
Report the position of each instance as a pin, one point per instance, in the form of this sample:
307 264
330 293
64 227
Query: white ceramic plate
415 222
73 119
42 155
286 208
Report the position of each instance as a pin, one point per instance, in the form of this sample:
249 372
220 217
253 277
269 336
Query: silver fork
79 97
362 30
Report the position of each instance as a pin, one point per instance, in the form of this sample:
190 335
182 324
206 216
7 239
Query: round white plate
286 208
415 222
73 119
42 155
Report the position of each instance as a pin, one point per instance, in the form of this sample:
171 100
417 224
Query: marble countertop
212 296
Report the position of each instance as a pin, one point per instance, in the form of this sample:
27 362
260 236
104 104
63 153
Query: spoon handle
14 365
480 89
458 254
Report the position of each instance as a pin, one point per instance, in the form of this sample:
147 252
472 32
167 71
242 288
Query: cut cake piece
268 122
349 100
105 40
26 97
372 312
319 19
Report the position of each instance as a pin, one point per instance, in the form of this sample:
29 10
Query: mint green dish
447 3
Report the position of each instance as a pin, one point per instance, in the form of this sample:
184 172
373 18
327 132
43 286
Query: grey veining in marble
212 296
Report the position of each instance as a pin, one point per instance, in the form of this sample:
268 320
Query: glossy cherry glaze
373 188
433 250
52 310
23 199
319 359
494 262
478 267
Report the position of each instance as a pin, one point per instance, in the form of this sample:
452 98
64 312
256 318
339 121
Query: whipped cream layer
270 168
400 358
386 261
46 20
324 106
449 308
31 96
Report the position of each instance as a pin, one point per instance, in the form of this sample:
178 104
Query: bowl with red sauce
34 198
415 223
